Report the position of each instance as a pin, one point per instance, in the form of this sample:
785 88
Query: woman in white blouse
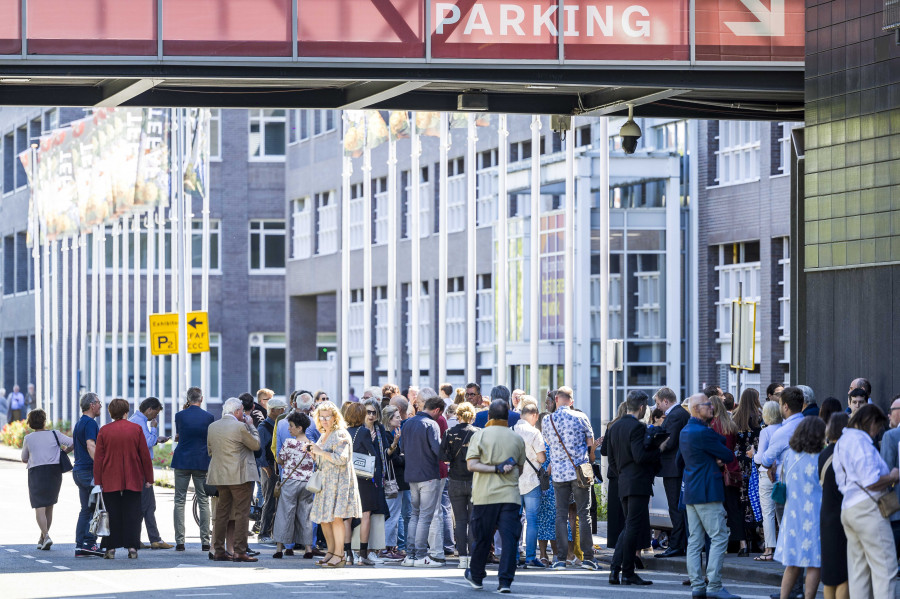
862 476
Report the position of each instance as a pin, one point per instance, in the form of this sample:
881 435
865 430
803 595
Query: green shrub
162 455
602 505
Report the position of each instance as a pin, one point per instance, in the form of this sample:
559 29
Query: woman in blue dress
799 544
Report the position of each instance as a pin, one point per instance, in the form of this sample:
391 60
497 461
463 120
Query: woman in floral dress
747 418
339 498
799 545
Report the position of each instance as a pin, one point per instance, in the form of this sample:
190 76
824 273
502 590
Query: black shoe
205 548
179 547
252 553
638 563
635 580
671 553
743 552
614 576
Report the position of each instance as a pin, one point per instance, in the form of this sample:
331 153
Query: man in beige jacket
231 442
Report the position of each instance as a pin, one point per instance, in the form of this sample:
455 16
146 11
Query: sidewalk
11 454
745 569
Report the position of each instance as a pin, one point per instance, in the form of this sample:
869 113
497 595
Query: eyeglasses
323 398
705 405
371 412
327 416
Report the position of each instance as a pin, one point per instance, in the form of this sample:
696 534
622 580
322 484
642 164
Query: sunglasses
371 412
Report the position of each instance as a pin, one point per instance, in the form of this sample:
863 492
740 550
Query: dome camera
630 132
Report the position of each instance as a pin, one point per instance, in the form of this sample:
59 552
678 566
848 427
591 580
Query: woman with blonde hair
771 413
453 450
338 499
391 419
460 395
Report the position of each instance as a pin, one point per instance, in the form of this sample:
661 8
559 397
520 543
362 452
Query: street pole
367 265
39 389
535 245
205 259
345 268
501 284
440 292
569 276
415 277
471 224
393 370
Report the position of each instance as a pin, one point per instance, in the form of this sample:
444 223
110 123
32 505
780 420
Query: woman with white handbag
370 442
337 498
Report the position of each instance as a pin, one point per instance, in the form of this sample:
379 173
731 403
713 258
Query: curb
729 570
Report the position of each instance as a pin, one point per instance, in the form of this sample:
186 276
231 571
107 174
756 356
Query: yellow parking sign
197 332
163 334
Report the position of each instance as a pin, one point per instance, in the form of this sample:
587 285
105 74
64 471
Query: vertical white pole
569 281
393 370
187 269
345 270
39 323
367 266
607 407
535 245
116 268
95 305
101 299
75 303
161 252
440 292
83 313
205 258
136 300
54 325
66 299
674 292
415 245
471 283
151 261
48 291
501 282
126 315
180 383
693 331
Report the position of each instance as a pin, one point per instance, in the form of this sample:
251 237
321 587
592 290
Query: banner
112 163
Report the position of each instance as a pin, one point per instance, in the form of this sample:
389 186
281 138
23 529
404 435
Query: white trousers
871 554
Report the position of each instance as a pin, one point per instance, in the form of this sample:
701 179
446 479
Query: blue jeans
706 519
531 501
405 513
84 480
395 506
426 496
504 518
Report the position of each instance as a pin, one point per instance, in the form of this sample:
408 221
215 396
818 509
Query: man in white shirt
792 409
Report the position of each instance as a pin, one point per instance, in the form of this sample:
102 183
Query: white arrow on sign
769 23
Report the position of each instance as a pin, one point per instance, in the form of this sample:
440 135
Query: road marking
205 595
13 550
28 556
44 561
60 567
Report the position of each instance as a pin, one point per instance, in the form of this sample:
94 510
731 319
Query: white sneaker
463 562
408 561
427 562
48 542
374 557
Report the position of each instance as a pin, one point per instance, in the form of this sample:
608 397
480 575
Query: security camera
630 132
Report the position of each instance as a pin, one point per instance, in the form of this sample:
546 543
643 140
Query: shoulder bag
543 476
100 520
779 487
888 503
584 474
277 491
65 464
315 483
363 463
391 486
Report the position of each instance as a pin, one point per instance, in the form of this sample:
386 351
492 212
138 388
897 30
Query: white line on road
28 556
13 550
45 561
60 567
205 595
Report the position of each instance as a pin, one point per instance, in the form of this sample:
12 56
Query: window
215 369
215 134
197 245
484 314
456 314
583 136
293 130
486 188
424 323
268 361
668 137
355 328
379 210
424 206
267 134
556 142
784 299
302 226
456 195
51 121
9 265
323 121
738 154
521 150
357 216
303 119
34 130
739 263
650 194
781 151
267 246
326 223
380 318
21 146
9 163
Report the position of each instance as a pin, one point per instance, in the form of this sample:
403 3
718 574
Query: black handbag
65 464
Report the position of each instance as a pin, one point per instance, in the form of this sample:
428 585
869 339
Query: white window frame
264 341
264 270
457 195
320 119
380 205
785 143
215 120
258 115
301 225
739 141
327 212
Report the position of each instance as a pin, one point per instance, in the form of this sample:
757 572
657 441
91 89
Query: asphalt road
28 573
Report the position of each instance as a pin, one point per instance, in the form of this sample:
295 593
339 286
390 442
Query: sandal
765 557
339 564
328 556
545 561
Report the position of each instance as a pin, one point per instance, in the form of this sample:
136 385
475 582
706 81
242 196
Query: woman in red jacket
122 467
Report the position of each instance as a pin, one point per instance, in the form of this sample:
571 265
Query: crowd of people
414 477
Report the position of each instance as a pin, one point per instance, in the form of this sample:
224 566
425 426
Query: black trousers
124 510
270 503
505 519
678 535
735 514
461 501
637 522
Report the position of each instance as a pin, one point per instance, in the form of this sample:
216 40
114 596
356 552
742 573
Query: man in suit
671 473
191 462
230 443
636 465
704 452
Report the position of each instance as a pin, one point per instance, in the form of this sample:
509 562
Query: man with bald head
889 453
704 451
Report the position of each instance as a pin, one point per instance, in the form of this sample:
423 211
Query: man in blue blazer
704 452
191 461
